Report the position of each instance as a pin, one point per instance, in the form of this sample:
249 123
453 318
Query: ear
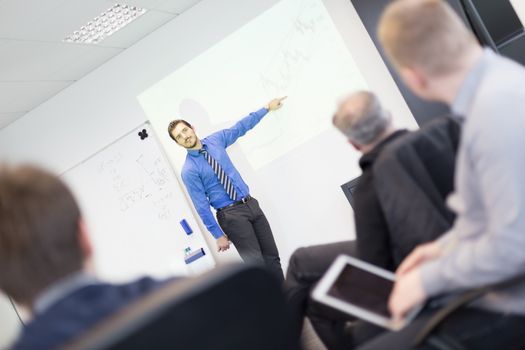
355 145
84 240
415 80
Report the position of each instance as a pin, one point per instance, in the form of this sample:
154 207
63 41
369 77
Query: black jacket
372 232
400 199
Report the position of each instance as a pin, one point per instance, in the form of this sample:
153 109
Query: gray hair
367 122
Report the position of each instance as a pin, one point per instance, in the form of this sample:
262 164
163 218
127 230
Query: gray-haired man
367 126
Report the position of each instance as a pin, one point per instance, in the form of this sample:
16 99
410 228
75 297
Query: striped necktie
225 181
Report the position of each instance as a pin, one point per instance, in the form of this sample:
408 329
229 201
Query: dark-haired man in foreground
45 251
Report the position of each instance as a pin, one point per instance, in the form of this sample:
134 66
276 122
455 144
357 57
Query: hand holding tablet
360 289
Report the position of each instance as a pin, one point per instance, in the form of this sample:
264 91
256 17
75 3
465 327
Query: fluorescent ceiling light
105 24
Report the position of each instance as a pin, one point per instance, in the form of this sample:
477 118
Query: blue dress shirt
200 180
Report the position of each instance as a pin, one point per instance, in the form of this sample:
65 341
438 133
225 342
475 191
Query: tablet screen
362 288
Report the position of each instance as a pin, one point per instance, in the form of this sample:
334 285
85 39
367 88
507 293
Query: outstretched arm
229 136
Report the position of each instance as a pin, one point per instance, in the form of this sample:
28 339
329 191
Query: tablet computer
360 289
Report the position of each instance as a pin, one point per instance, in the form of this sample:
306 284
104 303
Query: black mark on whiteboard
143 134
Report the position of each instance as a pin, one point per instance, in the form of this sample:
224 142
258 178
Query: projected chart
293 49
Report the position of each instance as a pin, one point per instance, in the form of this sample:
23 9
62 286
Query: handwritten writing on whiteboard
155 170
153 182
132 204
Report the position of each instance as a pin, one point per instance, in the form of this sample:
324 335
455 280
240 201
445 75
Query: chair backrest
349 189
232 307
413 175
494 22
435 145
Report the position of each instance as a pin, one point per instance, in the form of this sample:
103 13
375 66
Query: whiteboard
133 204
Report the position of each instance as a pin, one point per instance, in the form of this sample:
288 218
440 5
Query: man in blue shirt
212 180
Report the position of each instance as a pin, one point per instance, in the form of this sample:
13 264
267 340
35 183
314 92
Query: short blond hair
427 34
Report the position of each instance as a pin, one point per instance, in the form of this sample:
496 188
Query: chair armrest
462 300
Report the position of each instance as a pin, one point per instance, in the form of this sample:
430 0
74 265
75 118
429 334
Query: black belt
242 201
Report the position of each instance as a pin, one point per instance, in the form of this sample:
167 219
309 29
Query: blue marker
186 227
197 254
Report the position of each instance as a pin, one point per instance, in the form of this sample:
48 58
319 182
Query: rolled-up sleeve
497 253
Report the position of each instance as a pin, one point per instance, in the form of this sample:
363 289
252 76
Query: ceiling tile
24 96
49 20
137 29
34 61
172 6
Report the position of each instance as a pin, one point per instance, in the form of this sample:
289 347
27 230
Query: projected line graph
294 51
310 45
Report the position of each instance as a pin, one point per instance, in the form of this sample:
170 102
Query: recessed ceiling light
105 24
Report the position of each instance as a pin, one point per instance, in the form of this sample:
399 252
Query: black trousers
249 230
467 328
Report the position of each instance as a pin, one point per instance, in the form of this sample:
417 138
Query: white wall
9 323
519 7
102 107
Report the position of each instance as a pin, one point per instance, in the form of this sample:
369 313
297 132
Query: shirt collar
61 289
368 158
461 105
196 152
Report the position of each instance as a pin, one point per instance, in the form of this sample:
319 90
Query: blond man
440 60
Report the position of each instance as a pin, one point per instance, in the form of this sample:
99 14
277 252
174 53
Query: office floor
309 339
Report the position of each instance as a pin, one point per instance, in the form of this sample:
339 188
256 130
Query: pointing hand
276 103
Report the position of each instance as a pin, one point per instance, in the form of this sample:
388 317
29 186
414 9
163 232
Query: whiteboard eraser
199 253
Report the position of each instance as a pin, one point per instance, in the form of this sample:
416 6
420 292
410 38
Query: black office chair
230 308
413 175
427 334
497 25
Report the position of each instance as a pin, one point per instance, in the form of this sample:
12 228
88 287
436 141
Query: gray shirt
486 245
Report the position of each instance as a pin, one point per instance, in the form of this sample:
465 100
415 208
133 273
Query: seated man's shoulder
72 315
124 292
501 98
497 114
